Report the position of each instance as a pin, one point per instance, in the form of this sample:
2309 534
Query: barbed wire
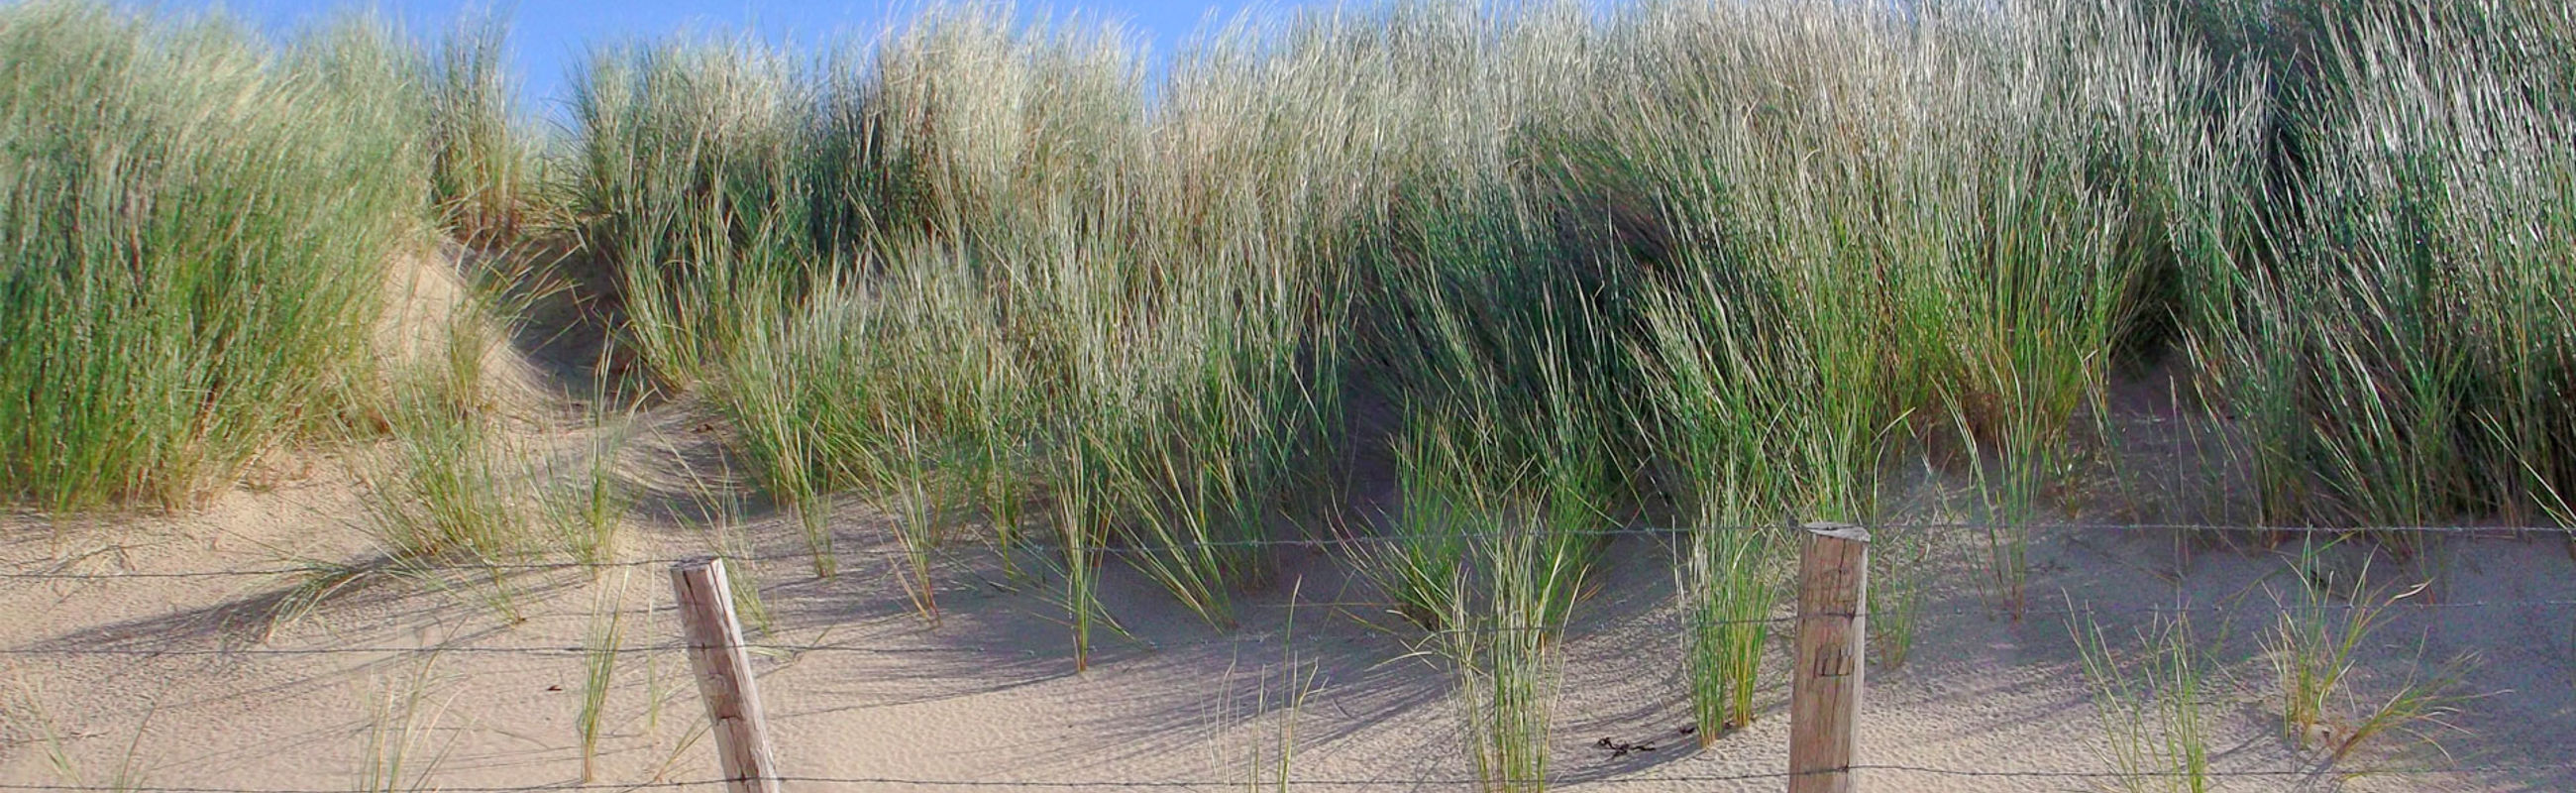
1308 543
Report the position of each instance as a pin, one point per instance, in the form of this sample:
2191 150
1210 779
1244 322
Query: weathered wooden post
1824 692
714 639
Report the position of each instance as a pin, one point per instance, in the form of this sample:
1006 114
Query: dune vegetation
1721 267
197 230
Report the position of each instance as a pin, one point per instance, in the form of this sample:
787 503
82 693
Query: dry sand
132 678
991 694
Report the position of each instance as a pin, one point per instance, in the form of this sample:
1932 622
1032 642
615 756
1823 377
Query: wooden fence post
1824 691
714 639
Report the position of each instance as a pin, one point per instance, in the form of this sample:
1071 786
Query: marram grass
194 230
1712 265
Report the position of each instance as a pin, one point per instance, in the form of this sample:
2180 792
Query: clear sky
547 36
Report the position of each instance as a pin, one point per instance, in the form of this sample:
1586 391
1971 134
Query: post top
694 563
1839 531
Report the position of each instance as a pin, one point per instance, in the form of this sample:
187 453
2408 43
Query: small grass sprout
2315 652
2154 704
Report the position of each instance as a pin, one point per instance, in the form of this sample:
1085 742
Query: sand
125 677
990 694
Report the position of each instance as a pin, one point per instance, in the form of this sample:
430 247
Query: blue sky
546 37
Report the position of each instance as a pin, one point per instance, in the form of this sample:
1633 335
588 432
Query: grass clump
588 509
1501 614
1733 589
973 269
448 492
483 166
600 648
1502 649
1929 234
446 507
2314 650
1493 577
1934 238
689 185
1001 314
195 230
2391 326
1269 755
2153 705
400 752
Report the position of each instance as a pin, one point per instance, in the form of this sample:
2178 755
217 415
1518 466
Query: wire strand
876 781
1228 640
1344 541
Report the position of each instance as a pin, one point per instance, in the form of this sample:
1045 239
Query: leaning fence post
714 640
1824 692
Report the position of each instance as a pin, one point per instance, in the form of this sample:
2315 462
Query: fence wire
307 568
879 782
1228 640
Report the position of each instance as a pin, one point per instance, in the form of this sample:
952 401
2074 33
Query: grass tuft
599 670
2153 705
2314 651
195 229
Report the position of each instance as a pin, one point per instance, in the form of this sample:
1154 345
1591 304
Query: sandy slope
991 695
191 681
